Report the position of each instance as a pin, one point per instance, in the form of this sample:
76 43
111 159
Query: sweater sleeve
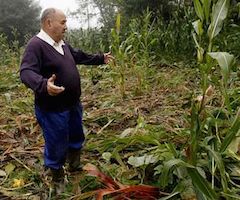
84 58
30 70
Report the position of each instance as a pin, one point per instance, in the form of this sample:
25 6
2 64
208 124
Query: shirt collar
45 37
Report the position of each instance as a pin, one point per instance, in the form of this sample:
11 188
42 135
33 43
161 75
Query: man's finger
52 78
111 57
108 57
56 88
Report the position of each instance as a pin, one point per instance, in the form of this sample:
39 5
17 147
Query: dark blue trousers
62 131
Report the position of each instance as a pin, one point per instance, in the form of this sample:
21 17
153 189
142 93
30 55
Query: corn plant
143 39
225 61
212 21
7 55
121 50
88 40
174 35
205 159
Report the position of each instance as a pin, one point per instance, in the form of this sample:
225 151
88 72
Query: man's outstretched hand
108 57
52 89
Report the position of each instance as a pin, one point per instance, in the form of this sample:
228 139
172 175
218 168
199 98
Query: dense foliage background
19 19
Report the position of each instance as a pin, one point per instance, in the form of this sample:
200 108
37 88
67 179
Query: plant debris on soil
164 104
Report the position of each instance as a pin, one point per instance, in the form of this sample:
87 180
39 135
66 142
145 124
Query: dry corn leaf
119 191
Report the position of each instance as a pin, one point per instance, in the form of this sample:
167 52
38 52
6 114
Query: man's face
58 26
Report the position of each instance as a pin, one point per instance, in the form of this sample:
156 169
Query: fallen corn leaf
109 182
119 191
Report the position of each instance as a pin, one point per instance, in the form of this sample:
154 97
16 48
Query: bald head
53 22
49 13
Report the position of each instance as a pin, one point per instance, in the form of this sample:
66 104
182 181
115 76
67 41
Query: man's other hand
108 57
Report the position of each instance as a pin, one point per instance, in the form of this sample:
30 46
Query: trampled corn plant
134 150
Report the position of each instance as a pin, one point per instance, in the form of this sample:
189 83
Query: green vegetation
165 113
19 19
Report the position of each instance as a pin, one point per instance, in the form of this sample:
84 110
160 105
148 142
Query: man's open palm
52 89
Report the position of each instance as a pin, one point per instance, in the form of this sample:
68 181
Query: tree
130 9
19 19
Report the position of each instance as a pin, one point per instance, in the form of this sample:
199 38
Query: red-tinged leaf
103 192
122 192
108 181
139 192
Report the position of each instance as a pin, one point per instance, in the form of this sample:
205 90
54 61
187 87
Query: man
49 68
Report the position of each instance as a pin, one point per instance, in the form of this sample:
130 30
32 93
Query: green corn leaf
168 167
218 159
172 149
206 8
199 182
142 160
195 40
197 25
231 196
118 23
225 61
219 14
107 156
234 145
128 49
118 158
238 5
170 196
201 185
231 134
199 9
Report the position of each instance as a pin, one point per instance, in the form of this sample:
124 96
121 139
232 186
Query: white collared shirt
56 45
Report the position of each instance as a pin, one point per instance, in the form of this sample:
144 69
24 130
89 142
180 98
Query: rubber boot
58 183
73 159
74 168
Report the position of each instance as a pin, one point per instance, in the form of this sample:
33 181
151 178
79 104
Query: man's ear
49 23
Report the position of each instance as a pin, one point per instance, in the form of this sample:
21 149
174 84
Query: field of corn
161 121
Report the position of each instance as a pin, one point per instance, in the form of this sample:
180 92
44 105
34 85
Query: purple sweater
41 60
